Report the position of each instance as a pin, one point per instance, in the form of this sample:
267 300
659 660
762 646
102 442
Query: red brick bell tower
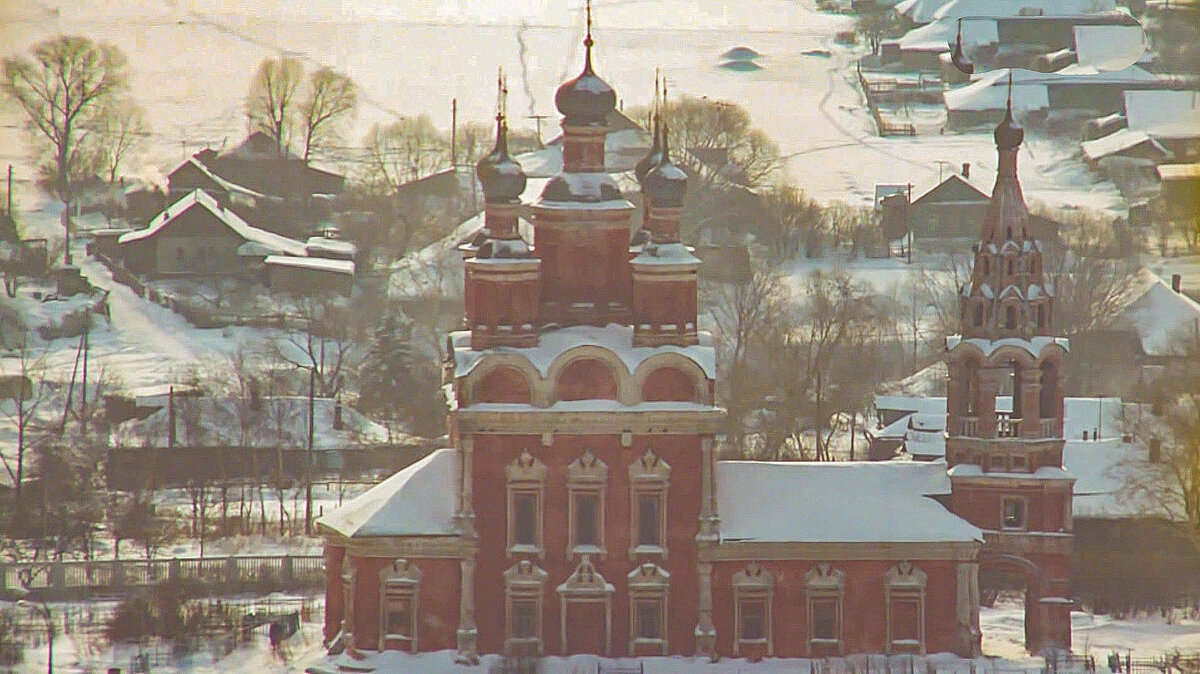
1004 428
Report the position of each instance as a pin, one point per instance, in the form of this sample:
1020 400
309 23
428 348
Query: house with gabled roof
951 208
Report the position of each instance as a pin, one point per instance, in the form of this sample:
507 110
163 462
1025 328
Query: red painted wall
333 590
863 607
587 379
493 452
437 609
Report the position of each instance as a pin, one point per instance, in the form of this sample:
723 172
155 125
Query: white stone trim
526 475
586 476
399 581
753 584
648 583
649 475
824 583
524 581
585 585
905 582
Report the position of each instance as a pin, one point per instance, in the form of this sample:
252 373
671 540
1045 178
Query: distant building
953 208
277 189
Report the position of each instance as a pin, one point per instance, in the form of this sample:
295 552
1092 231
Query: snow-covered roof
1178 171
281 421
989 92
859 502
1109 47
923 404
417 501
1162 318
226 184
666 255
919 11
1117 142
1102 471
1033 345
200 198
1163 113
939 35
322 264
617 339
323 246
1030 89
995 8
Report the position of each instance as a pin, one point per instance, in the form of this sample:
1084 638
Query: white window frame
586 476
526 475
648 583
824 583
400 580
753 584
649 475
1024 525
524 581
905 583
585 586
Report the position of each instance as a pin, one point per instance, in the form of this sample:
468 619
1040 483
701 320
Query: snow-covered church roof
417 501
839 502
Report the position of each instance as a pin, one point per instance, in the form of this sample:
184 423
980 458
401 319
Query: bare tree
331 97
121 129
273 101
405 150
30 394
1164 476
63 87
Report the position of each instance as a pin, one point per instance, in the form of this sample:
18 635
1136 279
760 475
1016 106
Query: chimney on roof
1177 282
966 169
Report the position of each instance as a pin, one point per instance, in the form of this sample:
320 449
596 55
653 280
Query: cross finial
499 94
1009 103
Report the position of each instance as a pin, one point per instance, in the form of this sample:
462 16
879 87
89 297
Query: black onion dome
587 99
665 184
1008 133
502 178
652 157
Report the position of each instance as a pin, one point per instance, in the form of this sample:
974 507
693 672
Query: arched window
1010 317
668 384
399 585
1049 394
503 385
979 314
1041 315
587 379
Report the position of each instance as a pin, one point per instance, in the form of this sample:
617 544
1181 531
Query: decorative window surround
524 584
825 585
753 586
905 583
649 476
585 586
526 477
1014 513
399 597
649 587
586 478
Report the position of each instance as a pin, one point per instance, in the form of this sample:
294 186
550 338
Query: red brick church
581 508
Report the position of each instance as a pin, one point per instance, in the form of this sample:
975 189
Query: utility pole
9 211
908 222
453 132
312 382
87 328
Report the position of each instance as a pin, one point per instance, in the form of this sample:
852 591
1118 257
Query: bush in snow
70 325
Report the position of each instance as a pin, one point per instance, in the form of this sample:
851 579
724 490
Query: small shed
309 276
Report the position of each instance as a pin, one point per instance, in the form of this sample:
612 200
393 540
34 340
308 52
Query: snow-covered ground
1097 635
191 62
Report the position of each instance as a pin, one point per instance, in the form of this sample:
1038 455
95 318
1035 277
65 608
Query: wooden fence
59 581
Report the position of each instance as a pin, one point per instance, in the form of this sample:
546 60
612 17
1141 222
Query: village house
581 508
275 188
197 236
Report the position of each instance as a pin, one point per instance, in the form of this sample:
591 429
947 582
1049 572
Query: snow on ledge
554 343
1033 346
417 501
